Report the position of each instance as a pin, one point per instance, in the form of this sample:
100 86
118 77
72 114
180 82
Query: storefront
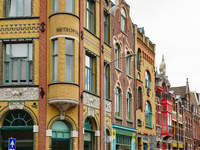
123 138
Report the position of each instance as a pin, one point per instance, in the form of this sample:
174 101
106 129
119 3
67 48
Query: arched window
138 77
90 15
129 105
117 55
139 96
60 135
17 124
147 114
123 20
18 8
128 66
138 59
147 82
88 135
118 101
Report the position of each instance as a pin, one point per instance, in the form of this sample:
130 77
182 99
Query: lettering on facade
63 29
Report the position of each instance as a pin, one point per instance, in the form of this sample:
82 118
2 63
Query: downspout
134 49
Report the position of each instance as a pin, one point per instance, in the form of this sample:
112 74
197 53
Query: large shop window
123 142
90 7
18 63
88 135
118 101
60 136
89 73
147 114
18 8
19 125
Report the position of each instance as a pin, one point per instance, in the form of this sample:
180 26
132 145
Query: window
55 60
164 107
60 135
117 55
18 63
139 122
139 96
123 20
147 82
128 66
179 105
173 105
69 44
89 74
18 8
147 114
106 28
90 15
107 81
164 122
17 124
69 6
138 59
129 105
88 135
118 101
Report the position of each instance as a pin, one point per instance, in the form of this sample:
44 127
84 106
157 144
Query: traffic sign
11 144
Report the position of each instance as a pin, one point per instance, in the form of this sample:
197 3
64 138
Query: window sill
148 127
124 33
130 76
68 13
118 69
12 18
130 121
63 83
89 92
119 118
108 44
18 85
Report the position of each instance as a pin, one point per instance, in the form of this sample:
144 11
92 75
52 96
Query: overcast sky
174 26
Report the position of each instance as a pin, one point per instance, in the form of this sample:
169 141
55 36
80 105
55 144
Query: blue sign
11 144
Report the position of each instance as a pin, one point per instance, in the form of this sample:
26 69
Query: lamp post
105 140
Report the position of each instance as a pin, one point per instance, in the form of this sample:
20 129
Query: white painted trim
35 128
49 132
97 133
66 36
74 134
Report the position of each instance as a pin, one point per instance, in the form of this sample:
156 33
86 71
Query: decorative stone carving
25 93
108 106
16 105
162 68
63 104
91 112
91 100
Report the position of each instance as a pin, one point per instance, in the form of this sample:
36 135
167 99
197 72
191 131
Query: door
144 146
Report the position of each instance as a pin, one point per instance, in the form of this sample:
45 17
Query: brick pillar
42 76
81 77
101 74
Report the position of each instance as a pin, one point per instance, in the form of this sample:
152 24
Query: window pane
7 54
59 134
68 46
164 119
7 72
12 11
14 70
30 71
87 61
66 135
55 68
20 8
55 7
30 51
27 8
19 50
87 21
69 6
69 67
55 48
23 70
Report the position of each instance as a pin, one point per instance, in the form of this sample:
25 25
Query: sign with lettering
64 29
123 132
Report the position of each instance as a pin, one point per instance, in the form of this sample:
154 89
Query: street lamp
105 139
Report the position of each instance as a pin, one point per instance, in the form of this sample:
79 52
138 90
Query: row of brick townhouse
79 74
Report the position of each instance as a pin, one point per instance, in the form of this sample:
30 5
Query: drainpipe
134 49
